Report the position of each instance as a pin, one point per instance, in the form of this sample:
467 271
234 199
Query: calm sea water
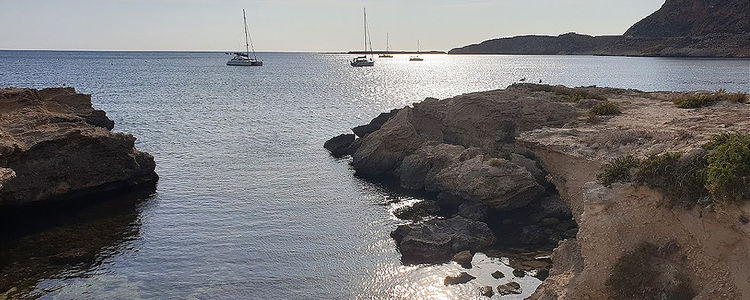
249 204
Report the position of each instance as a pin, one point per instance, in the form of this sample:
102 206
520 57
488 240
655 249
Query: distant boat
364 61
387 53
416 57
243 59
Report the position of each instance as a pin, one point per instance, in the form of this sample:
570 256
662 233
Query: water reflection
64 241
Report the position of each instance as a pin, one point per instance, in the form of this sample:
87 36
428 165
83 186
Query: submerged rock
339 146
436 241
58 147
509 288
464 258
460 279
498 275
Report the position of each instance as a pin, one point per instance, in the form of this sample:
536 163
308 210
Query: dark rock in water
460 279
339 146
54 146
436 241
519 273
375 124
542 274
464 258
417 211
473 210
509 288
498 275
486 291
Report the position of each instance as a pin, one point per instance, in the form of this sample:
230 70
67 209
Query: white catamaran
364 61
387 53
244 59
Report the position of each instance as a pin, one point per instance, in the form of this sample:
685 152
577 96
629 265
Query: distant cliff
693 28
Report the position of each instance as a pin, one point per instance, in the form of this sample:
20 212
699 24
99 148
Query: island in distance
681 28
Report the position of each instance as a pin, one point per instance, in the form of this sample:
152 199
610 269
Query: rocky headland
681 28
55 146
537 166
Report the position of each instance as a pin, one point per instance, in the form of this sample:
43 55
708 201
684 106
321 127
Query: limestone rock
495 183
464 258
418 211
436 241
339 146
498 275
59 148
375 124
486 291
459 279
509 288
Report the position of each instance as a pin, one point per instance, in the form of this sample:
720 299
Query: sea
249 205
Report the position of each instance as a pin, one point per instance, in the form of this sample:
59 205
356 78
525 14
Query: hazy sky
300 25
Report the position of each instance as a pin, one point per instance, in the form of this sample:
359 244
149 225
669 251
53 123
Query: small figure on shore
540 81
523 79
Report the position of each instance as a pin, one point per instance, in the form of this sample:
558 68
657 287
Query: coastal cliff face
467 151
691 28
55 146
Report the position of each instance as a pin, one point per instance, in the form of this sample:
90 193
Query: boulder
418 170
459 279
498 275
495 183
339 146
464 258
486 291
519 273
375 124
473 210
436 241
509 288
54 146
418 211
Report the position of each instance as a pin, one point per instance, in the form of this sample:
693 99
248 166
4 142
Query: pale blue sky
298 25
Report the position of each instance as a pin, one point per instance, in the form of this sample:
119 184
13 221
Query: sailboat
387 53
416 57
364 61
244 59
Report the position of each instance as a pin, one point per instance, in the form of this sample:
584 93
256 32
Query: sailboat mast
387 43
365 13
247 44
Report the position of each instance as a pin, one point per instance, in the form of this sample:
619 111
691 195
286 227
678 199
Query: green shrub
708 99
605 109
721 171
567 94
727 175
618 170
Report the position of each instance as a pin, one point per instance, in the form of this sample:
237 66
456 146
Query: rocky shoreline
54 146
518 168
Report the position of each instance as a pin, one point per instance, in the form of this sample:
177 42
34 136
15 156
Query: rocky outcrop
55 146
707 248
494 179
678 18
439 240
691 28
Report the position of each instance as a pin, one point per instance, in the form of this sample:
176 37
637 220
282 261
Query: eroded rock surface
55 146
438 240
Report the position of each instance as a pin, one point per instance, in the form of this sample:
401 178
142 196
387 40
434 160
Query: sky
301 25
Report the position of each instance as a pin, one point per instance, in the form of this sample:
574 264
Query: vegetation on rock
721 170
605 109
708 99
566 94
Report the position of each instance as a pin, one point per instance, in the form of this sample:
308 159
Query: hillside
690 28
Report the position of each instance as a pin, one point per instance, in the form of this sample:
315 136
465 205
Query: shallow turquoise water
249 204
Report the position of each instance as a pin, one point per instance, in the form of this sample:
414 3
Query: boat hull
245 63
363 64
